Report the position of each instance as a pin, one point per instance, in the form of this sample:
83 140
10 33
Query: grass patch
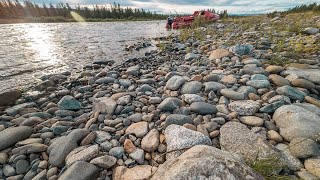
269 168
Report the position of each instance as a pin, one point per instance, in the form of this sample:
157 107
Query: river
29 51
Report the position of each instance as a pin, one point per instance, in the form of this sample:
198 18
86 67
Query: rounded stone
251 120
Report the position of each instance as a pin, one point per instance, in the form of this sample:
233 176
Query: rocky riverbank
219 107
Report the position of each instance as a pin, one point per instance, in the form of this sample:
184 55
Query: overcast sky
188 6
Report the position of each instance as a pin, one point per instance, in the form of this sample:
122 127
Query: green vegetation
269 168
298 9
10 10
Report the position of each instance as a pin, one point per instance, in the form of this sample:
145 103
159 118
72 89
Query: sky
188 6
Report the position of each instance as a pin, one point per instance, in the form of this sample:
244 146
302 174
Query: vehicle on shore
186 21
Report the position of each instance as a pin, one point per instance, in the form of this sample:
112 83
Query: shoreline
189 106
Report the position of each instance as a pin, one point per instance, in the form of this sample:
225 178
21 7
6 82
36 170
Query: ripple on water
29 51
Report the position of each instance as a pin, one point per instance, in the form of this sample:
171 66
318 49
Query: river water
29 51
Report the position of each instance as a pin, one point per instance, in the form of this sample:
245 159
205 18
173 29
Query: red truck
186 21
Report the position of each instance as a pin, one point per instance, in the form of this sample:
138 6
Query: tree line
15 9
299 9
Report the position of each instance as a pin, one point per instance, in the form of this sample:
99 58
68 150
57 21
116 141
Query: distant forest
13 9
299 9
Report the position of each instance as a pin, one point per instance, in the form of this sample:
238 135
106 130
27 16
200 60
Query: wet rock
304 148
203 108
175 82
178 137
192 87
245 107
205 162
9 97
169 104
80 170
104 105
10 136
69 103
295 122
104 161
139 129
237 138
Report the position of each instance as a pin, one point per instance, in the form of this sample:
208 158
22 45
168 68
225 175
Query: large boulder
312 75
135 173
237 138
9 97
295 121
205 162
80 171
179 138
11 136
62 146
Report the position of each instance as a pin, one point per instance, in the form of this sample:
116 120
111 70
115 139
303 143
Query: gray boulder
175 82
237 138
104 105
169 104
80 171
205 162
69 103
11 136
179 138
295 121
203 108
62 146
178 119
192 87
291 92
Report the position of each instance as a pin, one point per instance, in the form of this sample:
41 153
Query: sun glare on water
40 41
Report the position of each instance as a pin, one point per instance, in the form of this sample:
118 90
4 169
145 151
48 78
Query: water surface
29 51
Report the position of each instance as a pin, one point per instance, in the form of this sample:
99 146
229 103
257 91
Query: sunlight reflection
77 17
40 42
